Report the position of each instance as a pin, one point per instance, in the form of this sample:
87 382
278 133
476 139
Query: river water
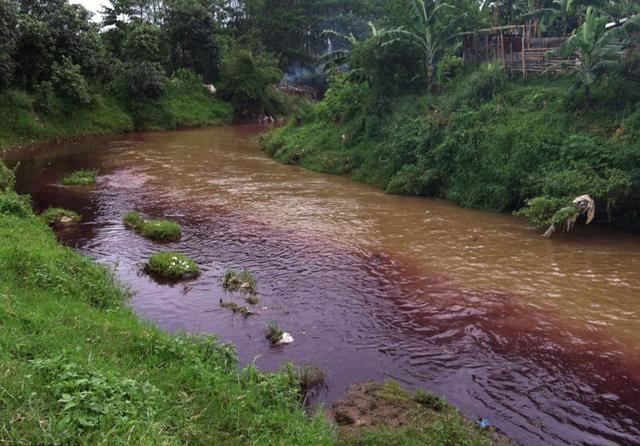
541 337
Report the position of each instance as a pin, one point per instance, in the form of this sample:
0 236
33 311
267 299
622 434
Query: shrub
343 99
172 265
247 83
83 177
482 85
540 210
7 177
140 81
68 81
449 67
13 204
55 216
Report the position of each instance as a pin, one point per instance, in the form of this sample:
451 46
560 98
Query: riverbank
27 118
485 141
79 367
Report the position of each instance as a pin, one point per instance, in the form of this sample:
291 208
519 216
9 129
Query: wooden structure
513 47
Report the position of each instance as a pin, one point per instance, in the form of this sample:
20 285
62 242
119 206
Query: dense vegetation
144 64
423 124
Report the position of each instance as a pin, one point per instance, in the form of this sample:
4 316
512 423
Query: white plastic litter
286 339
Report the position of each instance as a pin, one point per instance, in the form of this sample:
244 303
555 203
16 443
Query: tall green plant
431 28
596 50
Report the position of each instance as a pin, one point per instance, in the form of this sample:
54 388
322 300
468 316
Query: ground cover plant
83 177
59 216
172 265
161 230
242 281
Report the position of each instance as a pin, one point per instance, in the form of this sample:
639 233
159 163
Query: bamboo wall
515 49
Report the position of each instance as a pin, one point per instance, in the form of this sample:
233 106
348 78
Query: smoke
302 76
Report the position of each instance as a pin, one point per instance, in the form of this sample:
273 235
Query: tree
9 34
192 33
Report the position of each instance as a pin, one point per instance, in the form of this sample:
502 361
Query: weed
83 177
310 378
172 265
244 281
430 400
235 308
273 332
252 300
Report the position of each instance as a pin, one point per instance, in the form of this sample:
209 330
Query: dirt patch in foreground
373 413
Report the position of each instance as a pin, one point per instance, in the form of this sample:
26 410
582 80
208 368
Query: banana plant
596 50
432 29
342 56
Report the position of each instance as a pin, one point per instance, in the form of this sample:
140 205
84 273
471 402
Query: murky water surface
542 337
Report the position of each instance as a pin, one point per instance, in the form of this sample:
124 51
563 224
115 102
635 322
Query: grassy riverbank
486 141
27 117
78 367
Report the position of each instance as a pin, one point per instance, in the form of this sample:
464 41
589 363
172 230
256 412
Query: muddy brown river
541 337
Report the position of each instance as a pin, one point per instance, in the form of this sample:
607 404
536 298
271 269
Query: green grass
172 265
26 119
242 281
162 230
77 366
85 177
53 216
22 121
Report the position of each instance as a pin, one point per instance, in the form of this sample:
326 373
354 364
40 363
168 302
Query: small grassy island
161 230
85 177
59 217
172 265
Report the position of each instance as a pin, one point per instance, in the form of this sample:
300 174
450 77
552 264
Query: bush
85 177
247 82
7 178
343 99
481 86
449 67
68 81
13 204
172 265
140 81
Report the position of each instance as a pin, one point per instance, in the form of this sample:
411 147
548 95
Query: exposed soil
374 404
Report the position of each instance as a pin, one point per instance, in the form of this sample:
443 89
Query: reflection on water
539 336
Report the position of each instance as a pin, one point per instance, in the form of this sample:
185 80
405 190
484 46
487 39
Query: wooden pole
524 61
